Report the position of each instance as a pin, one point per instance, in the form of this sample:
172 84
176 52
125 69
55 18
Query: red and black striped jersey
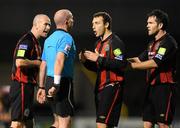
27 48
164 53
111 62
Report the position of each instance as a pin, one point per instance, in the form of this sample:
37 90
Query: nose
147 25
93 27
48 27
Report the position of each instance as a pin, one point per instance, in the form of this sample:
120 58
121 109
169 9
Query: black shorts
108 104
63 102
21 98
159 104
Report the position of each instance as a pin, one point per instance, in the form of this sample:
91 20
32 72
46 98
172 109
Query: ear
66 22
160 25
107 24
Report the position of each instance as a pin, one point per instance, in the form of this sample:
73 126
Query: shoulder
26 39
169 40
116 40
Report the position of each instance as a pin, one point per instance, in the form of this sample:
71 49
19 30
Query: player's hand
91 55
52 91
82 58
41 96
130 60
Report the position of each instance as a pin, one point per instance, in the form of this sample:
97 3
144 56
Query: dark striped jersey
164 53
27 48
110 63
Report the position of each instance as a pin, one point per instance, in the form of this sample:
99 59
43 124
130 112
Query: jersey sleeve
143 56
118 61
165 50
24 49
64 45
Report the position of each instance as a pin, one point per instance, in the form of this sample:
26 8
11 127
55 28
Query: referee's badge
67 47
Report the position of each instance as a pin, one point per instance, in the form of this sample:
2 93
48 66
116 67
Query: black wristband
41 87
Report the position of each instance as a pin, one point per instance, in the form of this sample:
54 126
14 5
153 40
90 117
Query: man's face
152 26
44 26
70 22
98 26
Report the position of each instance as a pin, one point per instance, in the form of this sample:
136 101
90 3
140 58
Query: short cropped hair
106 18
161 17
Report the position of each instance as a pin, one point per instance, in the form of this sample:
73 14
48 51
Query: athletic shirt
59 41
27 48
164 53
111 61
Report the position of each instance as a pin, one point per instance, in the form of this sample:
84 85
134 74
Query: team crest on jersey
161 51
26 112
107 47
20 53
117 52
67 47
23 46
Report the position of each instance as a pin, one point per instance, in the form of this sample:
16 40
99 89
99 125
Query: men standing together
108 60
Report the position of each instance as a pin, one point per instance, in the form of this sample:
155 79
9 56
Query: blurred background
129 23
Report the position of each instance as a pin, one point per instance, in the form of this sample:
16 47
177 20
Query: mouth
95 33
46 32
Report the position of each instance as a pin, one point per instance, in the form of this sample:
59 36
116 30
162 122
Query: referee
57 68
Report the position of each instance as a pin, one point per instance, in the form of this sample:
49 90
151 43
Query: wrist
57 79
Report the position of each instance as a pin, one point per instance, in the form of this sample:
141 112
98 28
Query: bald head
41 25
39 18
62 16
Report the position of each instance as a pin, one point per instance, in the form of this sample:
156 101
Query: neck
34 32
106 34
62 27
160 34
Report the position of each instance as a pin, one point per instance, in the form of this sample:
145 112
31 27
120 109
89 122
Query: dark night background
129 22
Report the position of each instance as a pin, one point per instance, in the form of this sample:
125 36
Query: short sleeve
64 45
143 56
24 50
164 51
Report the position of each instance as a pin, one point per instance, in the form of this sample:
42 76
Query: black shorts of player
108 104
159 104
21 98
63 103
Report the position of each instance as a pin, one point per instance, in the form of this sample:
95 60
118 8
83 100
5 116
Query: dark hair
106 18
161 17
